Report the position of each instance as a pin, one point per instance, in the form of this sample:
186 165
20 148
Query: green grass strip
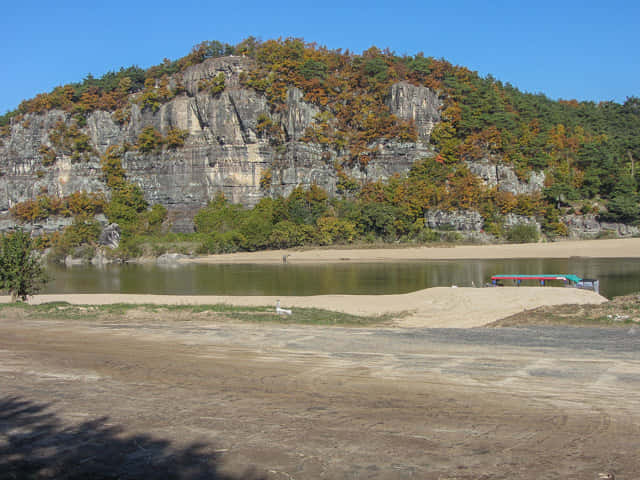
262 314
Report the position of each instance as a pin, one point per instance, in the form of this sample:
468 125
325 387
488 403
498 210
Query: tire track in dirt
344 403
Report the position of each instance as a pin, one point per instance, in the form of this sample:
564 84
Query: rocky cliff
223 152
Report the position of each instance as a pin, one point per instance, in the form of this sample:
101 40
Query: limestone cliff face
223 152
419 104
505 179
23 175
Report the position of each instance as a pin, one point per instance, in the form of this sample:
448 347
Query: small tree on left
21 271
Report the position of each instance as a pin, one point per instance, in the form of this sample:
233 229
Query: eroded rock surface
224 152
419 104
110 236
588 226
504 177
460 220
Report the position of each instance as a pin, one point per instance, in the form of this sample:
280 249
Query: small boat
569 280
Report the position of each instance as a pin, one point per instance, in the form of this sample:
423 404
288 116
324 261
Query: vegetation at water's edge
220 312
304 218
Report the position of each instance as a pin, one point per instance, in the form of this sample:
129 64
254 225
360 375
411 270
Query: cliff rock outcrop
505 179
223 152
419 104
460 220
588 226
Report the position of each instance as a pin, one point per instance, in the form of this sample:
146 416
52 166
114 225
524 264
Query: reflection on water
617 277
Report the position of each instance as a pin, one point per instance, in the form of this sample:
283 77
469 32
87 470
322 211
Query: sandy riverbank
433 307
609 248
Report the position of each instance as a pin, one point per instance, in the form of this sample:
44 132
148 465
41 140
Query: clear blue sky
586 50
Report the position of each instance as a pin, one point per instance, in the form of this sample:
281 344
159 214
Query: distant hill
260 119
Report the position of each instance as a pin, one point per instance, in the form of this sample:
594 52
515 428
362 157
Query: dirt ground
181 396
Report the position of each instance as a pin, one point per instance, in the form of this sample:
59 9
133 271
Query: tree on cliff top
21 273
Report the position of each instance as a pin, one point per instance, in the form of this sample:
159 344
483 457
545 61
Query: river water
617 277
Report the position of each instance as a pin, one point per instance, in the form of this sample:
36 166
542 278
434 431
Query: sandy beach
441 307
608 248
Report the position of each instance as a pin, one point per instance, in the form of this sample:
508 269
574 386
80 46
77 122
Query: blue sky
565 49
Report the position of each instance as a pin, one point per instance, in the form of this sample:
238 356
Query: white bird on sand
281 311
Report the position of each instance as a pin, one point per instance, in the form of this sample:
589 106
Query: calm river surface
617 277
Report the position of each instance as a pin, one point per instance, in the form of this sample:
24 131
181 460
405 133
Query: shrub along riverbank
388 212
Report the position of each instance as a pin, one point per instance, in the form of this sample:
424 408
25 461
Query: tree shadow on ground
35 444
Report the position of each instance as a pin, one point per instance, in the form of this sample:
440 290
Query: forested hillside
586 150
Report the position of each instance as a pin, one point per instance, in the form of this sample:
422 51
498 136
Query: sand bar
444 307
608 248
